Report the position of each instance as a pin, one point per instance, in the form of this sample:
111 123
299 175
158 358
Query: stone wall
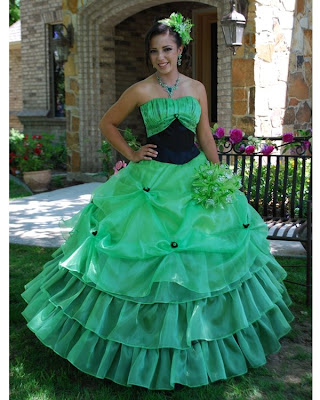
283 66
299 97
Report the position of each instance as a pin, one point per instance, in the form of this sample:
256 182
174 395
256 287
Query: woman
164 47
162 281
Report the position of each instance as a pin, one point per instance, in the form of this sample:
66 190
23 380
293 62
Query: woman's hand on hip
146 152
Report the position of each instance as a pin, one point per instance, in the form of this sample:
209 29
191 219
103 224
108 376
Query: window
56 77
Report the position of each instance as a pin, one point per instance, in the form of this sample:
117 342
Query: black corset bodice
175 144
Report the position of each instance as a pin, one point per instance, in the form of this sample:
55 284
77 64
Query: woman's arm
204 133
114 116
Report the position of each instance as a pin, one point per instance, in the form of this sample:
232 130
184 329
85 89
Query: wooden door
205 55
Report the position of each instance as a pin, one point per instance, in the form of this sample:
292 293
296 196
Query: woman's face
164 53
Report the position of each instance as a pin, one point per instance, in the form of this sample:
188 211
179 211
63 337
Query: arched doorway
130 64
100 54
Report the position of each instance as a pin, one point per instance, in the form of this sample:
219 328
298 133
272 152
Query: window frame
52 76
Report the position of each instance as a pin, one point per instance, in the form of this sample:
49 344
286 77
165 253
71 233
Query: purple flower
219 133
235 135
242 147
287 137
267 149
250 149
306 144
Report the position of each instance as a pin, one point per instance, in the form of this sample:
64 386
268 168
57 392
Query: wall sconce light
62 42
233 25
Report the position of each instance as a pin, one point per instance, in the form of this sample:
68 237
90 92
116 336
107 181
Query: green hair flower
180 25
214 185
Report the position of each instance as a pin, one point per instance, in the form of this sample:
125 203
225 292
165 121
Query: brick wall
36 16
15 86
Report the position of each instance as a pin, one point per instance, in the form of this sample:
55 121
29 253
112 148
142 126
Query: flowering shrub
267 149
119 165
284 187
288 137
107 157
250 149
304 142
238 142
235 136
35 152
219 133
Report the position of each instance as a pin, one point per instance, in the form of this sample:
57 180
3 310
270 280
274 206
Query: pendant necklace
167 88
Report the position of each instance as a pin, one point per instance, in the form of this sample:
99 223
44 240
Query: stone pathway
34 220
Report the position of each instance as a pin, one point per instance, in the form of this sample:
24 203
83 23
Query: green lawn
37 373
17 190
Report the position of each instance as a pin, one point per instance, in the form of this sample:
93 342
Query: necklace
167 88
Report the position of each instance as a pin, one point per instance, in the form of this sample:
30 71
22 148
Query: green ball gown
152 289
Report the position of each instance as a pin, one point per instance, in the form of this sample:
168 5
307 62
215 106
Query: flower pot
38 181
13 171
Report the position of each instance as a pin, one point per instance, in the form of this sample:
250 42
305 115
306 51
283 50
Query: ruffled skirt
151 289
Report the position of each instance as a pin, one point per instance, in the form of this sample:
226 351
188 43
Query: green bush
108 159
271 182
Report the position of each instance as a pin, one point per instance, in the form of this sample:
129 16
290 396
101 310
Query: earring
179 59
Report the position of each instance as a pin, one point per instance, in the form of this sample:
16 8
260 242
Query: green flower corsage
180 25
214 185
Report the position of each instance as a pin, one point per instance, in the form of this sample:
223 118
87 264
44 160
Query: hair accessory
180 25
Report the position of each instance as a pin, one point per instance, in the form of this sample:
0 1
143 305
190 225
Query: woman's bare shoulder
193 87
197 85
141 90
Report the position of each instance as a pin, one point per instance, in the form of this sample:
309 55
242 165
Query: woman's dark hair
159 29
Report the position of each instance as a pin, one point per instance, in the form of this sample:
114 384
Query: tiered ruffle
151 289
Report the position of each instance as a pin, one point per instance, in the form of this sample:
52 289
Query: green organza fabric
152 289
160 112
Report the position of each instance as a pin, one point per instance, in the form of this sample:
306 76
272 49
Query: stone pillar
282 66
71 72
299 99
224 105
